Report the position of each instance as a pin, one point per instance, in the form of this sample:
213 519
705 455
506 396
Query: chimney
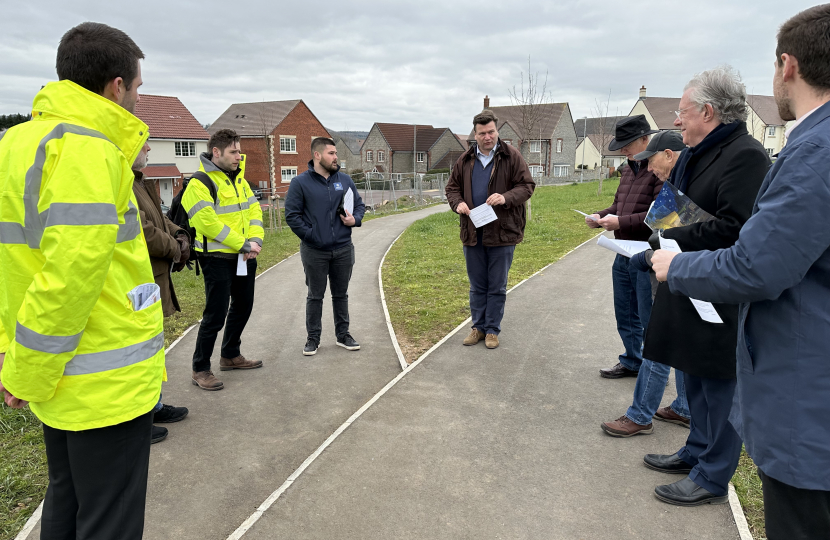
642 92
486 102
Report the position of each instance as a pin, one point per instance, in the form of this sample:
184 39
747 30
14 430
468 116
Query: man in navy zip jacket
779 271
313 211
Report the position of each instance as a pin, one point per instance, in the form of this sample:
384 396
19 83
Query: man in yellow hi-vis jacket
228 222
86 356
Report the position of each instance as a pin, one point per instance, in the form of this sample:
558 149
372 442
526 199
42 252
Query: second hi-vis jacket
233 222
71 249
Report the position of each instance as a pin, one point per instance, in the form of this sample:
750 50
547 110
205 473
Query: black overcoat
724 183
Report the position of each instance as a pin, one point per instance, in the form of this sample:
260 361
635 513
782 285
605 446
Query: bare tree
529 99
603 132
265 127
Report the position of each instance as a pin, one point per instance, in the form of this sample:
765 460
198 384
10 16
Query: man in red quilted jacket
632 288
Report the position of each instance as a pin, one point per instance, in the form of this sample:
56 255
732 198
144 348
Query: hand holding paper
660 263
482 215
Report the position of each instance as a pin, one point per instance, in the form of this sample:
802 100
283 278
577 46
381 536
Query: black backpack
178 215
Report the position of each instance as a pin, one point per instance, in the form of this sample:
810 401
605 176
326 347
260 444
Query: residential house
550 146
659 111
176 140
390 148
275 138
765 123
348 148
591 133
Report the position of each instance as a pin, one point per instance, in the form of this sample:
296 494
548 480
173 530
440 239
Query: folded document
144 296
626 248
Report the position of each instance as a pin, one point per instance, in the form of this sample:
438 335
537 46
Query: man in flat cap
661 154
632 288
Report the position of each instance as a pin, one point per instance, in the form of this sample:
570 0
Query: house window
381 156
288 145
560 170
369 156
770 151
420 156
771 131
558 146
263 184
343 165
536 170
287 173
396 176
185 149
508 142
535 146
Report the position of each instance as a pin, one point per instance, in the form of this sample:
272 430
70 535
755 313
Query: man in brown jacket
626 217
496 174
169 249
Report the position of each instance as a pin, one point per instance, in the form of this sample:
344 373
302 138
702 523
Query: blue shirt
485 159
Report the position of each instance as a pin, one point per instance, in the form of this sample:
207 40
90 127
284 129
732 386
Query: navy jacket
311 209
779 271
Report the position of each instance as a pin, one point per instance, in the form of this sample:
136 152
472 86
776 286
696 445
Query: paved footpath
470 443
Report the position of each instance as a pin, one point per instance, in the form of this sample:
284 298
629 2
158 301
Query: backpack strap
205 179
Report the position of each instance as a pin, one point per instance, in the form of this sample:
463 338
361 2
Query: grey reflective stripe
212 246
257 240
223 233
231 208
79 214
131 227
47 344
11 233
84 364
252 199
3 134
33 226
256 222
196 207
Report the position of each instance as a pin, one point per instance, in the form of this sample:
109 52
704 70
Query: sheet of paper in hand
672 208
348 201
626 248
482 215
706 310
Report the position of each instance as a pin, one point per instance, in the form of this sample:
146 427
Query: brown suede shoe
667 414
491 341
475 336
623 427
207 381
226 364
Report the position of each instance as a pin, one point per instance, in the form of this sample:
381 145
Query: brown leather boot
475 336
623 427
207 381
491 341
226 364
667 414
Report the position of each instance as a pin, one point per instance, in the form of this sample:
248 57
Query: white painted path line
738 514
30 524
398 351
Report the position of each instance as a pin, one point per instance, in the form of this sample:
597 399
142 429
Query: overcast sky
426 62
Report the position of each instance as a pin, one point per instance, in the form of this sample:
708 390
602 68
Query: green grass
425 282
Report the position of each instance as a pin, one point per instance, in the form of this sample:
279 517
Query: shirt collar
798 122
491 154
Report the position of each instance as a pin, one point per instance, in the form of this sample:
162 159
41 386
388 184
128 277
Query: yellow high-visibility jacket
71 249
233 222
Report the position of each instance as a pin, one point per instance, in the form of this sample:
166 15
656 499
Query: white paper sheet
626 248
348 201
706 310
482 215
144 296
241 266
590 216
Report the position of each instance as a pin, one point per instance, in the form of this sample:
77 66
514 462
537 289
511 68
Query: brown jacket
509 177
631 203
159 232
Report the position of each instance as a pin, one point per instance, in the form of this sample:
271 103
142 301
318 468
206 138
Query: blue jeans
648 392
158 406
632 305
487 269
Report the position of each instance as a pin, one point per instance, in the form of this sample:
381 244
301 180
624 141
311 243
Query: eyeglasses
681 110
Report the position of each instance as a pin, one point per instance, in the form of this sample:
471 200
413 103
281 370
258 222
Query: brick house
176 140
550 148
390 148
275 138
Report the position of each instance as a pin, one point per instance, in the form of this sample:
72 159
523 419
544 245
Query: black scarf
685 167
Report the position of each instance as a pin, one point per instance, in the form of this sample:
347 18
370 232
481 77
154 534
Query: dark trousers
713 446
222 286
97 482
487 269
632 308
335 267
792 513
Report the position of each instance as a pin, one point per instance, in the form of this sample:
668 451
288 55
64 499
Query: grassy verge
426 285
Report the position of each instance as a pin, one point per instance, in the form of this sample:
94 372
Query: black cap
629 130
665 140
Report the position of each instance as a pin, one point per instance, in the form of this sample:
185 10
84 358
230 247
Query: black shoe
617 372
687 493
668 464
169 414
158 435
310 348
347 342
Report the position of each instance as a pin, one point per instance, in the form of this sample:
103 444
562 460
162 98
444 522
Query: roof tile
168 118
